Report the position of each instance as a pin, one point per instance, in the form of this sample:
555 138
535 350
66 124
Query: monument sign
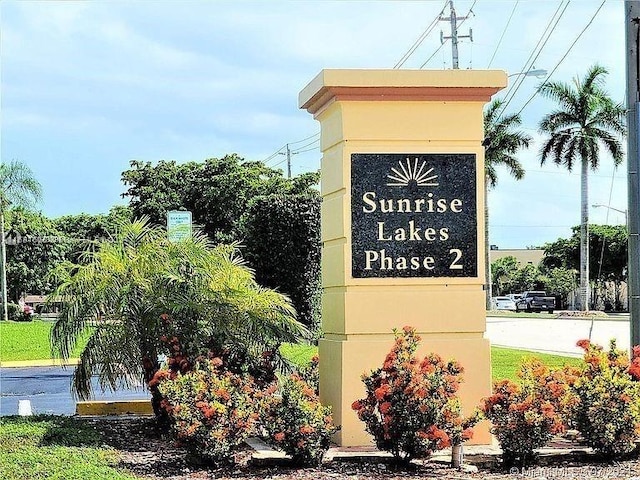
402 219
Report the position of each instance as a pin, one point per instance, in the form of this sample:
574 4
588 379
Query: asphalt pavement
49 390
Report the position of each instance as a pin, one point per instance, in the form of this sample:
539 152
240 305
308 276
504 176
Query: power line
305 139
307 145
564 56
274 154
542 36
503 32
286 145
420 39
531 60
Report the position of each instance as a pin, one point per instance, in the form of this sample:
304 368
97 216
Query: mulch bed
147 453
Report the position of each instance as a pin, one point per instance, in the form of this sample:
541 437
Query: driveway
49 390
556 335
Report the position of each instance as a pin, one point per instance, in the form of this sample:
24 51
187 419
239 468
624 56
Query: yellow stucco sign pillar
402 225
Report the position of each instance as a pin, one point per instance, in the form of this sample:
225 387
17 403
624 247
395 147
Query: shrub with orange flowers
296 422
607 413
526 416
411 407
212 410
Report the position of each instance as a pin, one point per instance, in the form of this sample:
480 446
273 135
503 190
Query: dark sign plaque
413 215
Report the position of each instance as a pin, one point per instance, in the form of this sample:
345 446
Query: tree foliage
586 120
216 191
34 247
502 142
282 238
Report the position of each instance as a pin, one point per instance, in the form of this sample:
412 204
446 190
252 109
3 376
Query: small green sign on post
178 225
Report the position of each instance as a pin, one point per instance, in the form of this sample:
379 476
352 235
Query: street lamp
625 212
534 72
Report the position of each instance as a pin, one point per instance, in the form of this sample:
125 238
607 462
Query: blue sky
89 86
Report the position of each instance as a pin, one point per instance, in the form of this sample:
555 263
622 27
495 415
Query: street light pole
625 212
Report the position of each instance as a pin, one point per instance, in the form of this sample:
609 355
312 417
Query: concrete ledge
105 407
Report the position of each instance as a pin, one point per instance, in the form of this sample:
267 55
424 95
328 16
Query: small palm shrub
526 416
411 406
607 412
296 422
212 411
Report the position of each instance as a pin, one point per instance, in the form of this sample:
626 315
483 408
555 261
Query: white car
503 303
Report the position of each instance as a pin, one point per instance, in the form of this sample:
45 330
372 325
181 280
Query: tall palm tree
587 118
130 290
502 141
17 187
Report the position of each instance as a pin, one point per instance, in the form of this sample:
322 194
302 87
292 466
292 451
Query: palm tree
587 119
17 187
130 290
502 141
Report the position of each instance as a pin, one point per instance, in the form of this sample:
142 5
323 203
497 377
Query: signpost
179 225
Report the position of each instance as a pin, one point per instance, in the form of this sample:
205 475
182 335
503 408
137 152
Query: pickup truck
535 302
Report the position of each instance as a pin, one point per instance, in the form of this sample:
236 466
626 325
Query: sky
86 87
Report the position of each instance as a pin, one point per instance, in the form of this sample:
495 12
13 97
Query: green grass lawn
30 341
504 361
26 341
56 448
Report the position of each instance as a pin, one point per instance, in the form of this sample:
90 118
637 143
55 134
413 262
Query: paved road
49 390
556 335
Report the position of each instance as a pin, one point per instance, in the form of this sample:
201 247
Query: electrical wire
274 154
304 139
421 39
306 145
307 150
531 60
503 32
277 152
564 56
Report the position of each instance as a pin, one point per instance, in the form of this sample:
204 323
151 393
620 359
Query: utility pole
632 19
453 19
288 154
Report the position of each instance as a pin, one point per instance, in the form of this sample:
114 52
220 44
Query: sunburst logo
406 172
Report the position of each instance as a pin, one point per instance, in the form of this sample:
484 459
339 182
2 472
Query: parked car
536 301
503 303
515 296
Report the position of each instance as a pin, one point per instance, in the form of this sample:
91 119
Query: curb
117 407
49 362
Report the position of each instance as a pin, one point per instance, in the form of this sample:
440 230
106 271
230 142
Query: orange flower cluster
411 407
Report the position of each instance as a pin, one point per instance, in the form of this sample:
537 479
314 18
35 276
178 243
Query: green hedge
282 239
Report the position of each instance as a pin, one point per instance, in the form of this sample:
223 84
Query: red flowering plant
411 408
296 422
607 413
212 410
526 416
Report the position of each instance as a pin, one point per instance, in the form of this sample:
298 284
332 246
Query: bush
310 373
411 407
282 237
296 422
212 412
607 413
525 417
13 310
